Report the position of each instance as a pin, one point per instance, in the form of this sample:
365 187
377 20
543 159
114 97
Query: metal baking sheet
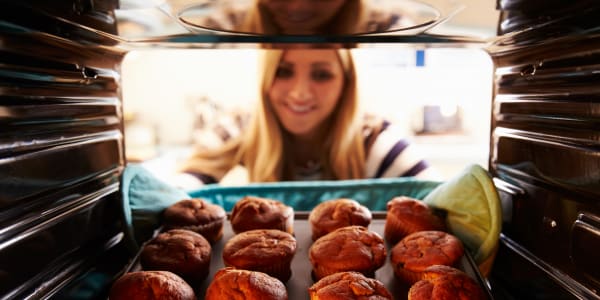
297 286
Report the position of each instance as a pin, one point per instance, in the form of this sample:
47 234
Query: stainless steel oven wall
61 148
546 148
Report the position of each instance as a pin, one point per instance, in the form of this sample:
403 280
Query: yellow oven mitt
474 212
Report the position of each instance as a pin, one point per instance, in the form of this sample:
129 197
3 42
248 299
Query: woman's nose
301 89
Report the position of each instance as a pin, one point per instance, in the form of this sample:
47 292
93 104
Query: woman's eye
320 75
284 72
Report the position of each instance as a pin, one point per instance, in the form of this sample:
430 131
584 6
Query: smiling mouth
300 108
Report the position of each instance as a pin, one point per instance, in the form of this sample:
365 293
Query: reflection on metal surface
156 24
585 243
546 141
61 143
95 220
191 23
399 17
559 277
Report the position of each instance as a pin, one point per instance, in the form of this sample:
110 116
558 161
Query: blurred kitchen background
441 95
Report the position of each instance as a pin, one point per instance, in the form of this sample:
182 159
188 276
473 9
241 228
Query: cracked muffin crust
183 252
337 213
444 282
261 213
422 249
196 215
236 284
407 215
351 248
149 285
348 286
266 250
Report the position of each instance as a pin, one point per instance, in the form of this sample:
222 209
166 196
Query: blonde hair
349 17
262 147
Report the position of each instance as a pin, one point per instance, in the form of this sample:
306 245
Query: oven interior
63 135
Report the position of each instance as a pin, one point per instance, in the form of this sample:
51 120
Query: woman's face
306 88
302 16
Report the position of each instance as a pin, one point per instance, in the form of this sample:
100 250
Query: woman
305 17
307 127
302 17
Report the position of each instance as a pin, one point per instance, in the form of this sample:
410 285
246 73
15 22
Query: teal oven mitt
144 199
305 195
474 213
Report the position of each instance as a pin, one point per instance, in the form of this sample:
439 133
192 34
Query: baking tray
297 286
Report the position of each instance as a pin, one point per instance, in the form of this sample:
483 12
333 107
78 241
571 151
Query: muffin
196 215
333 214
264 250
348 285
351 248
443 282
235 284
419 250
407 215
151 285
183 252
261 213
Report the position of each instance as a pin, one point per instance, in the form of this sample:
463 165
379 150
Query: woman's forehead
310 55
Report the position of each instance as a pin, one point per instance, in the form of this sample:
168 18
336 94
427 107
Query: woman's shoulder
389 153
373 125
225 126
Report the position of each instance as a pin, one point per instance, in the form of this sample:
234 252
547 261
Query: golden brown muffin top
337 213
192 212
151 285
235 284
348 286
436 271
422 249
349 248
443 282
259 246
176 247
415 212
259 213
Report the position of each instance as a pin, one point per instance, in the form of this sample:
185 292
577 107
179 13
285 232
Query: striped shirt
390 155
